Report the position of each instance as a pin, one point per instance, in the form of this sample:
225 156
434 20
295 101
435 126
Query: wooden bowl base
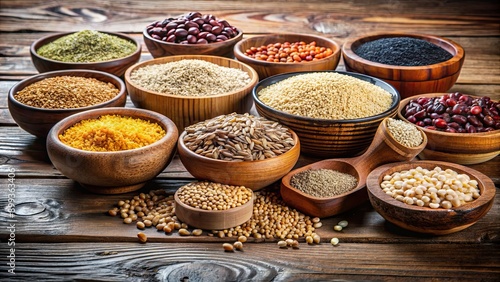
112 190
464 159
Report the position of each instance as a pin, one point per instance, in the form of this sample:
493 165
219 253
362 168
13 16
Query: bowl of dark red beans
460 128
412 63
289 52
191 33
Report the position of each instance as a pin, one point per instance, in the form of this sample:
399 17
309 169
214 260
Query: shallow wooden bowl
213 220
423 219
408 80
460 148
187 110
116 67
118 171
39 121
324 137
251 174
159 48
266 69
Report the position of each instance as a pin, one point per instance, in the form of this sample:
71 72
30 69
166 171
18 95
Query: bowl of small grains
430 197
461 128
335 114
333 186
191 33
40 101
213 206
239 149
289 52
112 150
86 49
190 88
412 63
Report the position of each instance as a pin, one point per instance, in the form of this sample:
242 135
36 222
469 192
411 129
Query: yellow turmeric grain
112 133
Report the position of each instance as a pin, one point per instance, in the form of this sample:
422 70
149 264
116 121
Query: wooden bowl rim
158 61
68 72
285 181
51 37
349 53
405 101
220 44
396 98
192 154
239 53
486 185
231 210
168 125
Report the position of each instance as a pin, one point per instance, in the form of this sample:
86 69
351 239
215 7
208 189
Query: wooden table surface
62 232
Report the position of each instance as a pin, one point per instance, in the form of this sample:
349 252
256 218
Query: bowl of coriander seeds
37 103
86 49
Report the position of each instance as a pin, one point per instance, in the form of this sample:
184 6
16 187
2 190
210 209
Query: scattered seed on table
184 232
343 223
142 237
197 232
238 245
334 241
282 244
337 228
228 247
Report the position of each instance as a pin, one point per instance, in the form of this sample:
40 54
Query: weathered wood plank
258 262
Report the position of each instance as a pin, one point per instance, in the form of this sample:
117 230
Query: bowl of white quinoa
334 113
191 88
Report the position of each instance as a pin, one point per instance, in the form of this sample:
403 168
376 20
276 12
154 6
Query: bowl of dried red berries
460 128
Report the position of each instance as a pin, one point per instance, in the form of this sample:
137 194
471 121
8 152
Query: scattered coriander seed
197 232
242 239
184 232
142 237
295 244
309 240
127 220
228 247
140 225
343 223
337 228
238 246
316 238
318 225
334 241
282 244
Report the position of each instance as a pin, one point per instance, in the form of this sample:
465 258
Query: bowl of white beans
430 197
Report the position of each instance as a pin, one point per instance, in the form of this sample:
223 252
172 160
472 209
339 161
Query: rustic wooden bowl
460 148
383 149
324 137
423 219
251 174
118 171
213 220
39 121
266 69
408 80
187 110
159 48
116 67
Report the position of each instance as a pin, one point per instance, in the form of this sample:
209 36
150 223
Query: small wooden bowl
39 121
423 219
187 110
266 69
159 48
408 80
116 67
460 148
118 171
325 137
213 220
251 174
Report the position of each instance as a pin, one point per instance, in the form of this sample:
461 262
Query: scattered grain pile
190 78
323 183
65 92
405 133
326 95
112 133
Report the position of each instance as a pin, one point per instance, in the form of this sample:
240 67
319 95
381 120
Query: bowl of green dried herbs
86 49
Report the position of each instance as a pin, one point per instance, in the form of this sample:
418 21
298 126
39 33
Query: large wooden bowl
210 219
118 171
423 219
325 137
460 148
408 80
39 121
251 174
266 69
159 48
187 110
116 67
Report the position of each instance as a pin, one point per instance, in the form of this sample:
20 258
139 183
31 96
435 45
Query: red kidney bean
211 37
489 121
476 110
440 123
216 30
474 121
202 41
460 119
180 32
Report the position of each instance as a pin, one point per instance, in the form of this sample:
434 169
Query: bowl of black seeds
411 63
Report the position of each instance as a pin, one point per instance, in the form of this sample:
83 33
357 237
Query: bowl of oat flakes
37 103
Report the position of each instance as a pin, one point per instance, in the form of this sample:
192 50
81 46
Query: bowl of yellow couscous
112 150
